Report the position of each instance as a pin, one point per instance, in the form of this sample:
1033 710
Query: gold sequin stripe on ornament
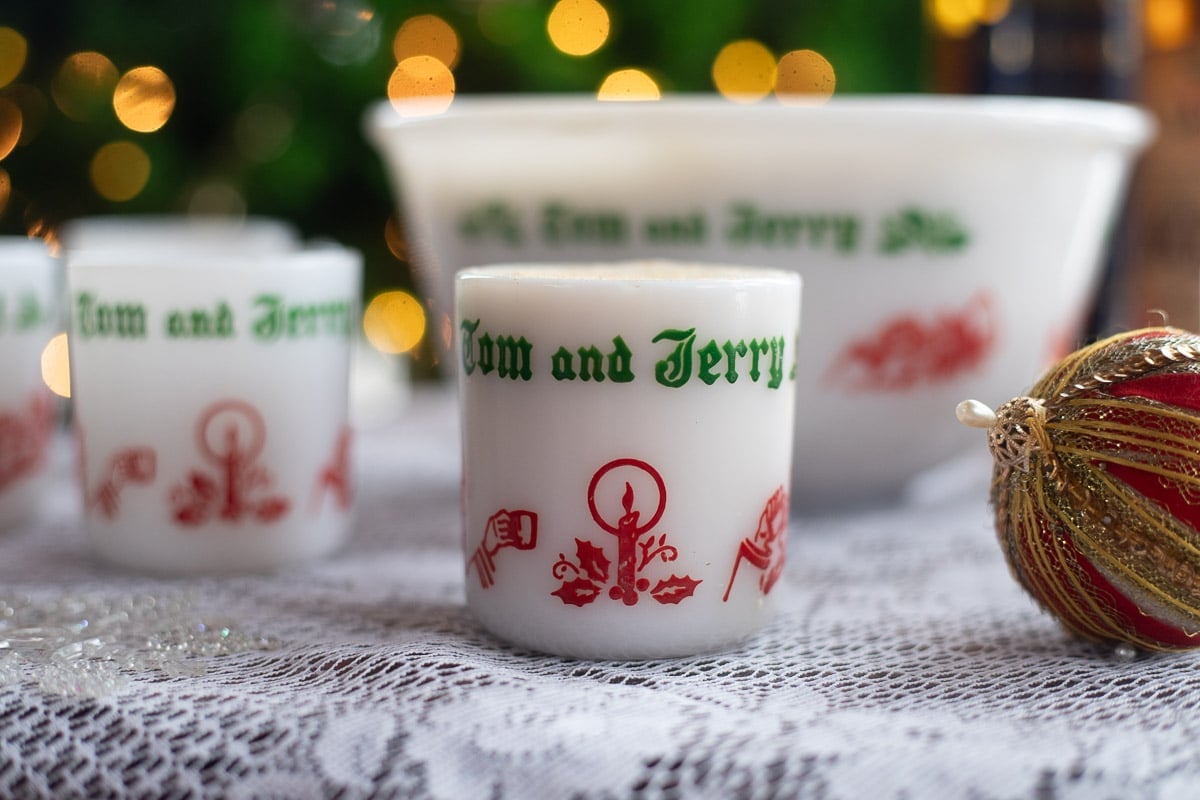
1051 451
1133 542
1152 354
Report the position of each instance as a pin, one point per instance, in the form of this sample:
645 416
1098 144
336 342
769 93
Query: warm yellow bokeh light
629 84
84 85
956 19
578 27
120 170
13 50
744 71
10 126
144 99
421 85
1169 24
427 35
804 76
56 371
394 322
994 10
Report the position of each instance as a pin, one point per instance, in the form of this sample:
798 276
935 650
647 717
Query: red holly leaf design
204 487
578 592
193 499
670 591
592 560
272 509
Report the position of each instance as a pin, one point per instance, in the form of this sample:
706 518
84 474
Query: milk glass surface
626 438
210 403
29 289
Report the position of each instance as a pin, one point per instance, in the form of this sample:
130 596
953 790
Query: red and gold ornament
1096 488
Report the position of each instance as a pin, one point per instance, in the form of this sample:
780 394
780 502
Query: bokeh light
34 107
144 99
578 27
629 84
394 322
13 50
994 10
120 170
1169 24
217 198
263 131
744 71
10 126
393 235
83 86
421 85
956 19
804 76
343 32
56 370
427 35
5 190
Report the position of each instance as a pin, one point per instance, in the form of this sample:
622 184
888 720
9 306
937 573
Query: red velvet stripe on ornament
1097 488
1181 390
1129 622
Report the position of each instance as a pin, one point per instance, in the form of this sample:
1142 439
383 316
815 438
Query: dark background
316 65
322 62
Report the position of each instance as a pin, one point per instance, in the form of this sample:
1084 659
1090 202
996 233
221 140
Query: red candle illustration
584 578
627 536
231 435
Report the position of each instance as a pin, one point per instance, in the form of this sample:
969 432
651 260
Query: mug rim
24 250
154 227
660 272
993 118
172 260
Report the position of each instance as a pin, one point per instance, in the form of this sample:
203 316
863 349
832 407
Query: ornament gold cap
1015 430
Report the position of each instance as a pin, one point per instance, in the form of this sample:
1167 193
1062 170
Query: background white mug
29 293
210 400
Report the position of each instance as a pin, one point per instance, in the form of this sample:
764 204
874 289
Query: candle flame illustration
627 498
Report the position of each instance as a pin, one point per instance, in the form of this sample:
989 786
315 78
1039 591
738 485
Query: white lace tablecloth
903 663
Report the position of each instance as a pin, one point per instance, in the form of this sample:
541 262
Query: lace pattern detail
904 662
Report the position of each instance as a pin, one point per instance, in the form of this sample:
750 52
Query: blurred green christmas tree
255 106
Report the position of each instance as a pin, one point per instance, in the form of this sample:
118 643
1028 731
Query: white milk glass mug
29 290
211 402
626 433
